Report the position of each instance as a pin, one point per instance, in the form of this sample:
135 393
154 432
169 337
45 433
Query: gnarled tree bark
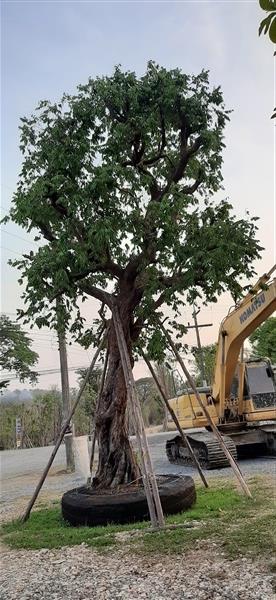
117 462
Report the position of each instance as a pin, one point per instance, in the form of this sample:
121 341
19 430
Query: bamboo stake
215 430
149 475
96 412
65 393
175 419
62 432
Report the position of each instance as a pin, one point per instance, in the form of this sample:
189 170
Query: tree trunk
117 462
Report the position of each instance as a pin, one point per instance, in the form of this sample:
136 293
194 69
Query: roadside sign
18 431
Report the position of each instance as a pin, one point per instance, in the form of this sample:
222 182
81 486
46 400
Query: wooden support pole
62 432
94 434
174 417
65 392
65 389
149 479
215 430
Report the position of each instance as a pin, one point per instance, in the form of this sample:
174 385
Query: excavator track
206 448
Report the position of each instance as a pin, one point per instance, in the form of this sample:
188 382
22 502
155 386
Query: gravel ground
80 573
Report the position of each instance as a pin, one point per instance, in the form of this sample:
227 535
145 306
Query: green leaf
265 23
272 30
268 4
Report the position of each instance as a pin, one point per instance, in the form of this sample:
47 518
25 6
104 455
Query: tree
165 376
151 403
263 340
40 417
118 179
268 25
85 413
209 357
15 351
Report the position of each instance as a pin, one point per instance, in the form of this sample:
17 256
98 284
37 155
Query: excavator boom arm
251 312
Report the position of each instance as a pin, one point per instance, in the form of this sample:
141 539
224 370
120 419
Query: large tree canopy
109 179
15 351
118 179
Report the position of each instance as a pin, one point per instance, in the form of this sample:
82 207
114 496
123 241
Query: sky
50 47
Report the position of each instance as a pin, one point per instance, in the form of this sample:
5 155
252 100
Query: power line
8 187
36 336
54 371
20 237
10 250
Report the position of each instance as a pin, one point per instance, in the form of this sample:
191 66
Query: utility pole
196 326
163 374
65 392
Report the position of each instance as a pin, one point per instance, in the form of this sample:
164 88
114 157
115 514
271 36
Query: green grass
238 525
235 523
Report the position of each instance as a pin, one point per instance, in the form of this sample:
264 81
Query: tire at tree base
81 507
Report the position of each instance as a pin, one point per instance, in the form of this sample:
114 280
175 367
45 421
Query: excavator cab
261 383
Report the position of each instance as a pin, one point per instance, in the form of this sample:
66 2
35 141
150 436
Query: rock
81 573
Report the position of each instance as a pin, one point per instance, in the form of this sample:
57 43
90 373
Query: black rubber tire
81 506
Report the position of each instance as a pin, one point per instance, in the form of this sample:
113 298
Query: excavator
242 399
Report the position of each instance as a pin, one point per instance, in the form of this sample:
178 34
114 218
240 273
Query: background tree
263 340
118 179
151 403
166 377
85 413
209 357
15 351
268 25
41 418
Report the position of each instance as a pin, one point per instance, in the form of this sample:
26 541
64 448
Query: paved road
20 469
157 443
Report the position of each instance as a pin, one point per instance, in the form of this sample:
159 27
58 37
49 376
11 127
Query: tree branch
190 189
141 321
162 144
184 125
46 232
62 212
97 293
153 186
109 266
120 117
177 173
185 155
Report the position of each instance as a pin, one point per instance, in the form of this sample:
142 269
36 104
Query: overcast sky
50 47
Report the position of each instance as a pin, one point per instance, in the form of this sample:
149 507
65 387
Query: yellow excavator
242 399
